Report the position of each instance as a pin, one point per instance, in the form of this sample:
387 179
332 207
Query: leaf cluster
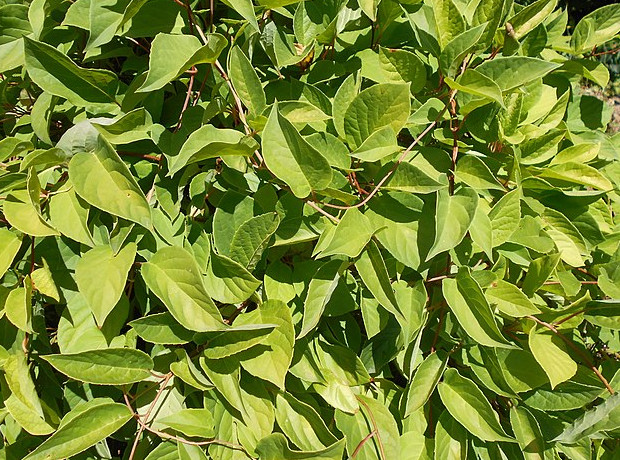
321 229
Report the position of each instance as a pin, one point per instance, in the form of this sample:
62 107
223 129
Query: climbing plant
281 229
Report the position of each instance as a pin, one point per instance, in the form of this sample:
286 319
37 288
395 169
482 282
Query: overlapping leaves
283 229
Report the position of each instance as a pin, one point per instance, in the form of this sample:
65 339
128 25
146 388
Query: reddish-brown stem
211 13
573 347
402 157
437 278
362 442
375 428
313 205
148 413
563 320
161 434
188 96
202 86
602 53
153 158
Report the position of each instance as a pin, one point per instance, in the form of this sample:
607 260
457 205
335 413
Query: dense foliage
369 229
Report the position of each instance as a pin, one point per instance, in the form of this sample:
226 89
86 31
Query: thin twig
402 157
153 158
362 442
164 435
313 205
192 72
375 428
563 320
148 413
568 342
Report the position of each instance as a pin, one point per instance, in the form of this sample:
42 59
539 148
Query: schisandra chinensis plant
284 230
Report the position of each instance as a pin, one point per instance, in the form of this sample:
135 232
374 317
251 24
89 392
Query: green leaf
505 217
56 74
538 272
211 142
22 388
9 247
474 172
102 179
468 405
531 16
246 81
569 173
161 328
171 55
290 158
191 422
453 217
271 365
450 438
101 274
69 214
342 100
596 28
401 66
252 238
275 447
424 381
491 12
24 216
510 300
466 300
550 352
349 237
246 9
111 366
369 7
528 434
227 281
455 51
448 20
601 417
473 82
372 271
81 428
566 237
236 339
174 276
320 290
385 104
512 72
409 178
301 423
18 306
379 145
384 444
